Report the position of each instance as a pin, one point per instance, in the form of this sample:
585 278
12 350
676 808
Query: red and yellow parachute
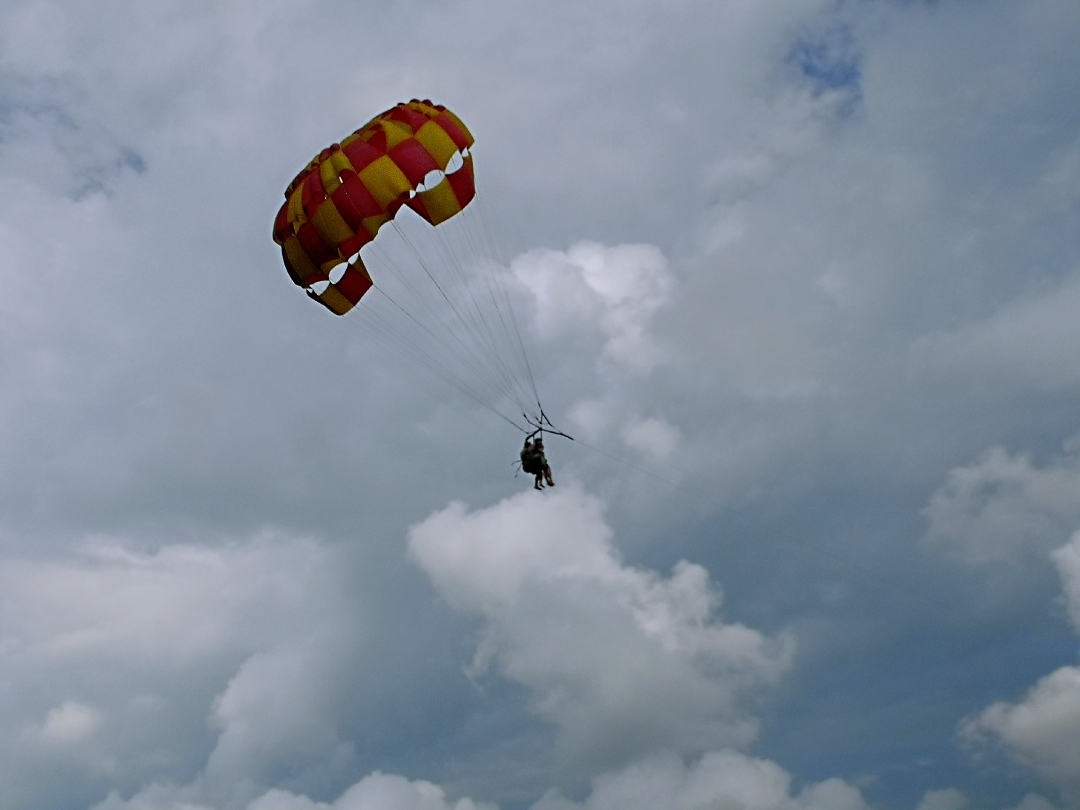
440 295
414 154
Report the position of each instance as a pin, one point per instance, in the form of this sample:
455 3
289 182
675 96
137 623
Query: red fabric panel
462 183
452 129
354 202
313 193
417 205
282 229
297 180
313 245
413 160
408 116
378 140
354 243
353 284
360 153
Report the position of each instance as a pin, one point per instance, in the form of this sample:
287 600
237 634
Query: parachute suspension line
504 343
379 327
471 226
440 353
477 351
450 342
496 288
473 320
481 326
432 361
499 344
474 329
478 231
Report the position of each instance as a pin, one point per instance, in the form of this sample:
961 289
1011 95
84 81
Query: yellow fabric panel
420 106
330 264
396 132
337 302
437 143
372 224
385 181
303 266
328 176
341 162
331 227
297 217
331 168
441 202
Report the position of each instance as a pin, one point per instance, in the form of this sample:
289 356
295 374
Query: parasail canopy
443 297
415 154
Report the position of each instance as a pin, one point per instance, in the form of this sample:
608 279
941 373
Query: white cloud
278 710
1067 560
1033 801
593 417
652 437
1003 507
946 799
622 660
1030 341
377 791
172 607
616 290
1042 731
157 367
148 641
722 779
70 722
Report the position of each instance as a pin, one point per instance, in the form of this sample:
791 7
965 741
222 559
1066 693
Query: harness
531 462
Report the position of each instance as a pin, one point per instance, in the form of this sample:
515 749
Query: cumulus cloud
70 722
1041 732
622 660
1033 801
652 437
377 791
125 658
1031 340
1067 561
832 181
171 607
1004 507
615 290
725 778
946 799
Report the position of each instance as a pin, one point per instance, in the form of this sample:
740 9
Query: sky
800 277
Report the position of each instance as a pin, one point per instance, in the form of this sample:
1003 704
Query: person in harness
534 461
